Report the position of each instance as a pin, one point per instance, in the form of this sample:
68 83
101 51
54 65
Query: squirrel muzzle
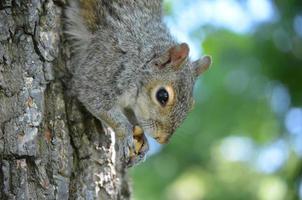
162 139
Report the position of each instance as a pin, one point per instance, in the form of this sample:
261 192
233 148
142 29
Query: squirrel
128 71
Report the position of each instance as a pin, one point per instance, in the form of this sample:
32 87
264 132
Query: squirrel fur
127 69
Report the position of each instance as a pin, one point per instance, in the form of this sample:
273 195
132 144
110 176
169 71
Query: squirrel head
166 92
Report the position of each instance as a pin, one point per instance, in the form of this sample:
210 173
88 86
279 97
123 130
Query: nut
137 131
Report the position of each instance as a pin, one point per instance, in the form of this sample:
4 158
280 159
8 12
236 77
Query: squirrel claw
141 147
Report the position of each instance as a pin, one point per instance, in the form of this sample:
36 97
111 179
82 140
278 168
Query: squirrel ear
173 56
201 65
178 54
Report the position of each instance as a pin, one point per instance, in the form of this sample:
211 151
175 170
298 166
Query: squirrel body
127 69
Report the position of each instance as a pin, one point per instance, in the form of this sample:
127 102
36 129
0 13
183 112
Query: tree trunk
50 147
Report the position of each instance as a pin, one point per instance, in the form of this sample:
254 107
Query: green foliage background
233 99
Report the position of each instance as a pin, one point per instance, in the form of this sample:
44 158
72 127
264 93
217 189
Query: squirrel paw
139 148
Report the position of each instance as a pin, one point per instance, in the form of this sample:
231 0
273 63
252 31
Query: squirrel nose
162 139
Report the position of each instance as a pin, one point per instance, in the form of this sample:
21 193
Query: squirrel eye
162 96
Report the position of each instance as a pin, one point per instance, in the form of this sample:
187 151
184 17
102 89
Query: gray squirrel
128 71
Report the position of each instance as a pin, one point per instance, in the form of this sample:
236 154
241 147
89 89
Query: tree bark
50 147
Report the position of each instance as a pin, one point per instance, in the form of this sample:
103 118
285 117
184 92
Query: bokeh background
243 140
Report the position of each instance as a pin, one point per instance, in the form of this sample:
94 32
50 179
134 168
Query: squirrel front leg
116 119
134 144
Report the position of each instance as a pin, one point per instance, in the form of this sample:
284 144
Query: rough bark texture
50 147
